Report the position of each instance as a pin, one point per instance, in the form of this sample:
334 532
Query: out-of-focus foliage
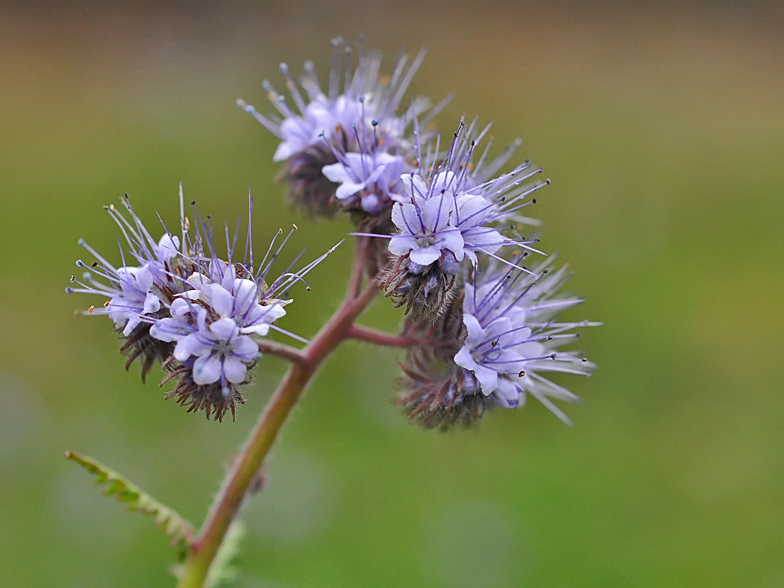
662 129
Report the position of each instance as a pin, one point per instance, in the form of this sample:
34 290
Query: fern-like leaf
177 528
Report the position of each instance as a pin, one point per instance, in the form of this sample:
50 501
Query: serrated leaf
135 499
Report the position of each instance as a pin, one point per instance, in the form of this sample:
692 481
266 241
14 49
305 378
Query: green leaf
223 571
176 527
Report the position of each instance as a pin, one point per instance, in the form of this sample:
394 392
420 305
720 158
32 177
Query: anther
494 342
552 356
521 374
106 304
94 264
92 308
533 201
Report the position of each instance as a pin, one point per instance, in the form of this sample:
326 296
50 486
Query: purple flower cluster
448 235
440 230
345 148
178 303
493 345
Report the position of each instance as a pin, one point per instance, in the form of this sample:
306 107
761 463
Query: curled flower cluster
446 234
175 302
439 230
494 343
345 148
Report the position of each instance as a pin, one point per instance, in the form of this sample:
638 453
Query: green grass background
662 129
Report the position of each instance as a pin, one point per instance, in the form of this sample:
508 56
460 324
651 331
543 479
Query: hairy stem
263 435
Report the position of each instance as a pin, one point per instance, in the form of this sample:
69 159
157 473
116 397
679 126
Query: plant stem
263 435
280 350
369 335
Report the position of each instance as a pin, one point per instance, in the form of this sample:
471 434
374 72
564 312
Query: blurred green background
662 128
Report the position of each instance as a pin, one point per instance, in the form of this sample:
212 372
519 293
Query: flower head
360 107
503 335
218 320
200 315
451 214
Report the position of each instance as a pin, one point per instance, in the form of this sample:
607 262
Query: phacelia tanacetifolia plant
439 230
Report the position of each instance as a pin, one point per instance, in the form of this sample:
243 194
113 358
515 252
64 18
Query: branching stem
304 365
381 338
283 351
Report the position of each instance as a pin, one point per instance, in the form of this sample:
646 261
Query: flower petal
244 347
207 369
224 329
193 344
234 370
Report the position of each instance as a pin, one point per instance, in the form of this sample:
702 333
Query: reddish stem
280 350
264 433
381 338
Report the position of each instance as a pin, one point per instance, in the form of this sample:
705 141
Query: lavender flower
222 353
366 181
341 120
216 322
451 214
138 294
199 315
508 338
